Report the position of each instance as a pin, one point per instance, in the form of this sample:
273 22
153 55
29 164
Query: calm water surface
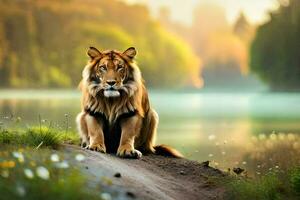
205 126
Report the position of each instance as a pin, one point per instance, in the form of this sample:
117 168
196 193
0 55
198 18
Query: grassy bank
31 161
275 170
272 186
38 137
32 167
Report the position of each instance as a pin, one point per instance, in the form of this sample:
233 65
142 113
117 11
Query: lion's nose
111 82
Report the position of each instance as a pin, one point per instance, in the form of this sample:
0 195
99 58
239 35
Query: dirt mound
152 177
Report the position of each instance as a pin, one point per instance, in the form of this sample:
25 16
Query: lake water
204 126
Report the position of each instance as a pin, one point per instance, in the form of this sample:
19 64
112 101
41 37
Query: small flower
79 157
273 136
19 156
210 155
244 162
42 172
66 115
4 173
54 158
223 153
106 196
8 164
261 136
211 137
28 173
63 165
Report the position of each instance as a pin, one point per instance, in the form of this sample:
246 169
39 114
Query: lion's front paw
97 147
125 152
84 144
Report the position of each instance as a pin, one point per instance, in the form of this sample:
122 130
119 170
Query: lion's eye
120 68
102 68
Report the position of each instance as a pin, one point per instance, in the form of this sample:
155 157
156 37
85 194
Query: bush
38 136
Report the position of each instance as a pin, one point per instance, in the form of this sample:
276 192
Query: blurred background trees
275 52
43 43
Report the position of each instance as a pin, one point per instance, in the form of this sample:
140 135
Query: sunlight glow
182 11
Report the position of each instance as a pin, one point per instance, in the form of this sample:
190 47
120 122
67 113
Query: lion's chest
112 130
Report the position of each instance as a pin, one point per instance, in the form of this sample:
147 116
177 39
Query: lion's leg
82 129
130 129
95 131
152 131
147 138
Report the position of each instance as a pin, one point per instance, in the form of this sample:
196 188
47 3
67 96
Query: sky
182 10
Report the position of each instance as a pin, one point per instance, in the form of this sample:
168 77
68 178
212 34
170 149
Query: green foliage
271 186
36 136
275 50
52 182
44 43
265 188
295 180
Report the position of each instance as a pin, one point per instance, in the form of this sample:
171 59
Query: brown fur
112 88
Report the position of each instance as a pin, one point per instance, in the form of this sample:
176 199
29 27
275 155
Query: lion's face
111 70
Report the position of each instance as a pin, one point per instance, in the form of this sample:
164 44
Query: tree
275 50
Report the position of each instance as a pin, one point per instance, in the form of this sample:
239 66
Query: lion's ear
130 52
93 53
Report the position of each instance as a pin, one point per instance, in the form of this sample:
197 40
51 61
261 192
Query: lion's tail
168 151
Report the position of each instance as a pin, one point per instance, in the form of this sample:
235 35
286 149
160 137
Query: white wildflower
19 156
54 157
106 196
62 165
273 136
261 136
42 172
28 173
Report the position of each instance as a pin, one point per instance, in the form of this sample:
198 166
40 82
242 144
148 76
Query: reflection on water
206 126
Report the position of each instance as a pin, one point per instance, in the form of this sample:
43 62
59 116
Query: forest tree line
43 43
275 51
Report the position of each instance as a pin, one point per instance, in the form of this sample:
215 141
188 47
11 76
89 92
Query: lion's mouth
111 92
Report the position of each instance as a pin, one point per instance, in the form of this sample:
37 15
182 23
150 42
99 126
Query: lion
116 115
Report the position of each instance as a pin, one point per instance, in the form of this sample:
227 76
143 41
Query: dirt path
153 177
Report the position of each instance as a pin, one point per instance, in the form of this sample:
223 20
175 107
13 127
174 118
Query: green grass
62 183
272 186
38 137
